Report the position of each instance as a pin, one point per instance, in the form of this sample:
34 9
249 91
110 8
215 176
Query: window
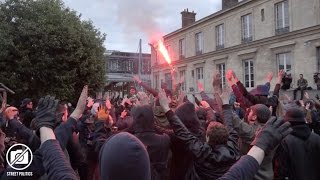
318 58
220 36
182 74
199 76
248 73
182 49
282 17
199 43
284 61
168 80
222 71
156 81
246 26
262 15
192 89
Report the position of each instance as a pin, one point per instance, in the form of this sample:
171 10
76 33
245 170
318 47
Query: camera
15 154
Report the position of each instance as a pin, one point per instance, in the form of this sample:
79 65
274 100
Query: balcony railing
282 30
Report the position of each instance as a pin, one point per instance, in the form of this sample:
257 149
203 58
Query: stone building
252 37
121 66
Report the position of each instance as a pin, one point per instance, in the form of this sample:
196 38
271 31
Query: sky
126 21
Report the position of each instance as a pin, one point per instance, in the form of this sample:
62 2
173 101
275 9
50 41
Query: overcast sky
126 21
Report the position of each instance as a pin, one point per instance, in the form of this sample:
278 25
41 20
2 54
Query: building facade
252 37
120 68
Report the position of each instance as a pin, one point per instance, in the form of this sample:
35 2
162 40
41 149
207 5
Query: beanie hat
25 102
295 115
123 156
262 112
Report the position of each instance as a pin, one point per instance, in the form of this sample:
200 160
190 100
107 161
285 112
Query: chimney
188 18
226 4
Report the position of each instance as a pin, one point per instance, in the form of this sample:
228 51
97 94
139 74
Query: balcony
220 46
284 30
247 39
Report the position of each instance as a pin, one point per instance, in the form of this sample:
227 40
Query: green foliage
45 48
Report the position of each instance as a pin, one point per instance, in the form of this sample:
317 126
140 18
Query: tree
45 48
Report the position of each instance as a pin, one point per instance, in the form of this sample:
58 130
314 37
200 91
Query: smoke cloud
140 16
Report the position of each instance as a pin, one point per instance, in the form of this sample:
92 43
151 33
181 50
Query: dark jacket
49 158
244 103
247 134
298 155
123 157
202 116
208 162
24 134
26 116
244 169
157 145
303 83
182 158
272 101
286 81
55 162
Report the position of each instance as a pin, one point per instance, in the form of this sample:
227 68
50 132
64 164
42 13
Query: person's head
187 114
133 90
236 105
124 156
11 113
27 103
143 118
259 113
301 76
295 116
217 134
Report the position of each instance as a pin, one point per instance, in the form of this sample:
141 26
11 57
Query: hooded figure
298 154
26 112
181 158
124 157
157 145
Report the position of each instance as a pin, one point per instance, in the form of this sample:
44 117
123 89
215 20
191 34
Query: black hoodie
298 155
181 158
124 157
157 144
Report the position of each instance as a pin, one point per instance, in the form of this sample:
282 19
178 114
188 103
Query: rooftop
210 17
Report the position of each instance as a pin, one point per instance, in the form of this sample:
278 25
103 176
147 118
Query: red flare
164 51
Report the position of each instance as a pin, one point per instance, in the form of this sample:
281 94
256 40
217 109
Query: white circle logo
19 157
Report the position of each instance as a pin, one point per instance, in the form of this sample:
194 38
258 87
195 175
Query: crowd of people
166 135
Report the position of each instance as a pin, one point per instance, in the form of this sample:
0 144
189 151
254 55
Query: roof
207 18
